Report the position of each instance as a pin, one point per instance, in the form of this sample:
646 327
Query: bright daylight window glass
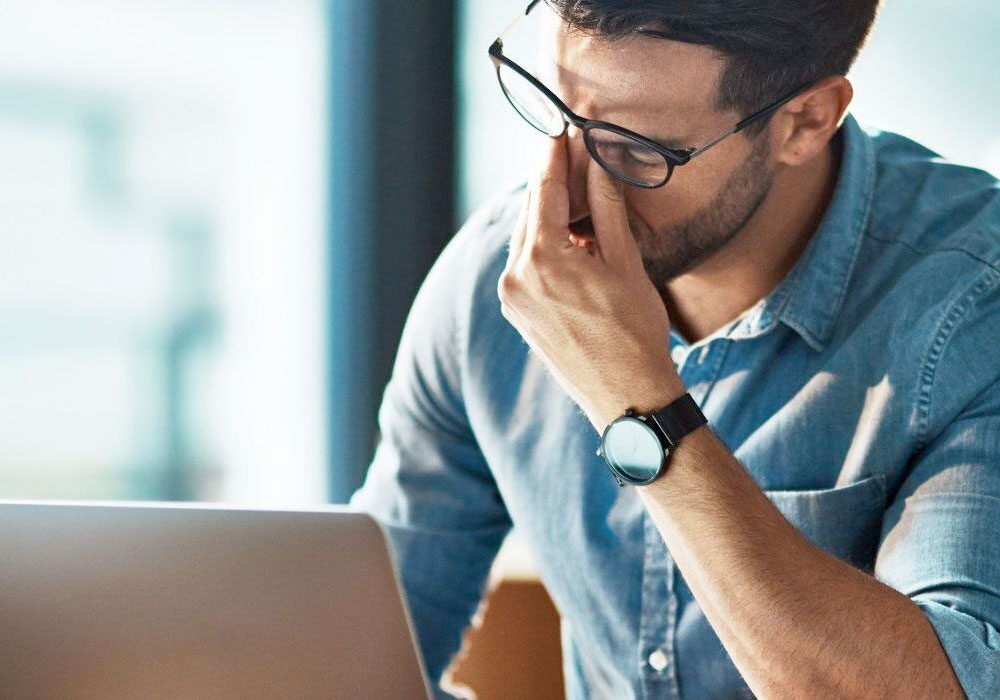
162 195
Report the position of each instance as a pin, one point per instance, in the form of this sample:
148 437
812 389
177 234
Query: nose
579 158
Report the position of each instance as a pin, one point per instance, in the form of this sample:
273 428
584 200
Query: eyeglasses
626 155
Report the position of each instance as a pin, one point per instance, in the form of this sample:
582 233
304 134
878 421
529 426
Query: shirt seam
863 221
987 280
860 223
941 249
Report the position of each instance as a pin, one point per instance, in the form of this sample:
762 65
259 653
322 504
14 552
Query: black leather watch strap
678 418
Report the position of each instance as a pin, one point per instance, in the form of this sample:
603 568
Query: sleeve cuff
972 646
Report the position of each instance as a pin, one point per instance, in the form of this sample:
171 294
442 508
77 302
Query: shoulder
934 234
452 292
433 352
932 239
932 206
486 232
471 257
478 252
923 302
491 350
461 286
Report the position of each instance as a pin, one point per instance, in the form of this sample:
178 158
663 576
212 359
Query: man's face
667 91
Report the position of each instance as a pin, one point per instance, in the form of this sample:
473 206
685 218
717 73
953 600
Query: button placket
657 618
698 367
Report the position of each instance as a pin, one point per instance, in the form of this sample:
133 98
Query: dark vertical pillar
351 241
416 156
393 91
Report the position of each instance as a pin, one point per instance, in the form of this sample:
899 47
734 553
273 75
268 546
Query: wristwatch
637 447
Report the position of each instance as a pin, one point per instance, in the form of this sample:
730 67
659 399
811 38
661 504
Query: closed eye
633 153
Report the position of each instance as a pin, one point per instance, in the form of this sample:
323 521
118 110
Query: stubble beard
676 249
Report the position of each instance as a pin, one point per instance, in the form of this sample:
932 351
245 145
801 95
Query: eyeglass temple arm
760 114
516 20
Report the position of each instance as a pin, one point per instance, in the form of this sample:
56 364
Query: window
162 249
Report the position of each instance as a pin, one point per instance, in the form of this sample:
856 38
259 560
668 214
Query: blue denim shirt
862 394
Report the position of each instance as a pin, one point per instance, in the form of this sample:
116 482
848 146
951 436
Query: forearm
794 619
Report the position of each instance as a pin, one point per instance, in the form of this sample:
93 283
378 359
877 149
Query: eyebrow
665 141
671 143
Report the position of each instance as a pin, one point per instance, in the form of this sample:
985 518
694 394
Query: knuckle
537 255
507 311
610 193
546 180
506 286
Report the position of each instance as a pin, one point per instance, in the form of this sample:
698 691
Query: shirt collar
810 296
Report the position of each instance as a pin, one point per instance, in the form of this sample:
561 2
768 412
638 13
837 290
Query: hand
587 307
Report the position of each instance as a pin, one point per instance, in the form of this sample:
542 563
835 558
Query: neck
702 300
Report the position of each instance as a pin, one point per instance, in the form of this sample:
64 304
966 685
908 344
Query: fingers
585 242
553 186
548 219
608 211
543 220
518 234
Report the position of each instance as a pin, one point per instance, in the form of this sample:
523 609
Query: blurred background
214 216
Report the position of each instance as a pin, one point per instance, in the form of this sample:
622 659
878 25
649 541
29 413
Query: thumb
606 202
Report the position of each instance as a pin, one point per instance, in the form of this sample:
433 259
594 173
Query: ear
809 121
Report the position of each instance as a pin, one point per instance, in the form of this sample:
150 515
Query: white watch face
632 447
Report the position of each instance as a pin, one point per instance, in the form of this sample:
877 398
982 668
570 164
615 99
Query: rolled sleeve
972 645
428 483
941 542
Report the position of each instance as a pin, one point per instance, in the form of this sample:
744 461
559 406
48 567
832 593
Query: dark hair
771 46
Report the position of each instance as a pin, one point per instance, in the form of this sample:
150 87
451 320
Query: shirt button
677 354
658 660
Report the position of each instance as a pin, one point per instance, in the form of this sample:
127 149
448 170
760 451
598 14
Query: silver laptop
197 601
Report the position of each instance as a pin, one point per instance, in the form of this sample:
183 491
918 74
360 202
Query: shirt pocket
845 521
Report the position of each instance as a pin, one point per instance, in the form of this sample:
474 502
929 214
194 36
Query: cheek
698 180
659 208
691 189
702 179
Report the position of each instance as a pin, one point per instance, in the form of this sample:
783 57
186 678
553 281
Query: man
726 245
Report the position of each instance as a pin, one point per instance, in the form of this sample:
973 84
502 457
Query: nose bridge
579 159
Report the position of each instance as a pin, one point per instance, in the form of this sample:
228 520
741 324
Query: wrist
652 393
655 391
637 446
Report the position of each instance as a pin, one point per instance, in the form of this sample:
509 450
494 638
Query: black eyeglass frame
673 156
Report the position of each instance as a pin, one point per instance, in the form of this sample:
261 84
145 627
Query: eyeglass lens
530 102
626 158
622 156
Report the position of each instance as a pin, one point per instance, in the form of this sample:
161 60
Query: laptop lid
165 600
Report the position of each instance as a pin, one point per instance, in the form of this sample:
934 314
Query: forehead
637 74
